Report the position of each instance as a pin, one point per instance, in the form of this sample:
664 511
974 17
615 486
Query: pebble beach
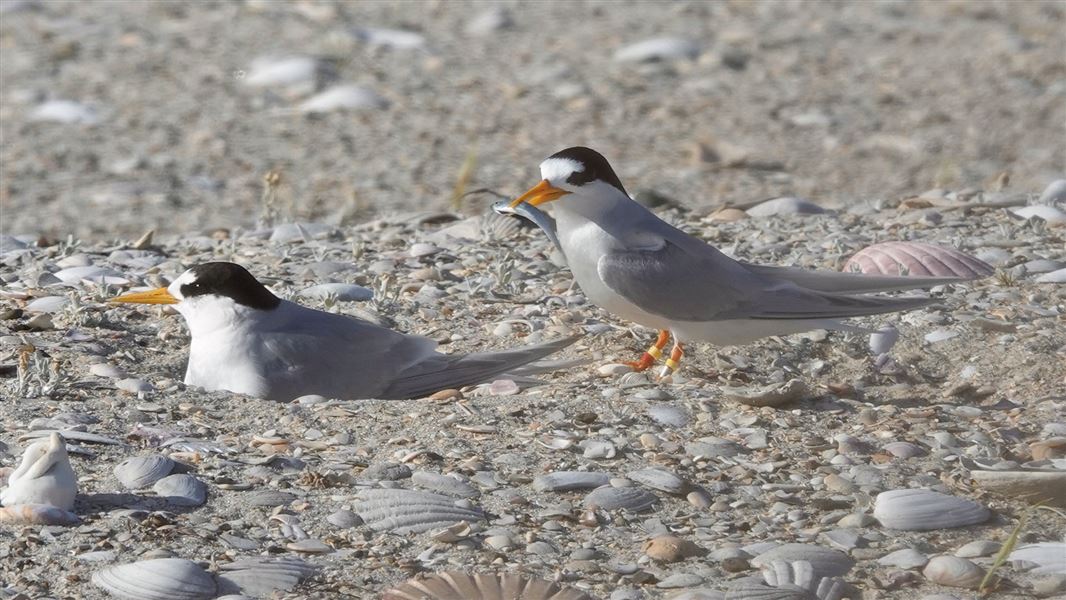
348 155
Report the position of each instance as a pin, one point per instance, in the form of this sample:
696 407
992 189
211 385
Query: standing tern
247 340
638 267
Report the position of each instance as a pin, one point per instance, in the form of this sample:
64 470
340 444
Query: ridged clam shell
564 481
626 498
142 471
923 510
659 479
916 259
953 571
775 395
825 562
1049 558
159 579
456 585
443 484
181 490
1047 487
37 514
753 589
800 574
411 511
262 577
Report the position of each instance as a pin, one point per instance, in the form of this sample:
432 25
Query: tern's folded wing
850 283
682 285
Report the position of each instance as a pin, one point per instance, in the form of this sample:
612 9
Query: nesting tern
247 340
635 265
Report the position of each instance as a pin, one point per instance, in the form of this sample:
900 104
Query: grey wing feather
849 283
705 285
440 371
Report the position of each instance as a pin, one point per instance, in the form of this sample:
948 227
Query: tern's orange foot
652 354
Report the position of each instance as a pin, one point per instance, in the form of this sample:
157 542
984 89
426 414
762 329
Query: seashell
882 340
825 562
345 292
263 577
1058 276
659 479
37 514
907 558
292 71
596 449
940 335
181 490
343 97
47 304
134 386
453 533
787 206
1048 213
489 21
270 498
1054 193
923 510
91 273
799 574
776 395
299 232
565 481
1044 486
158 579
625 498
904 450
712 447
978 548
668 415
453 585
411 511
670 548
916 259
398 39
142 471
345 519
658 49
953 571
1049 558
107 370
443 484
43 477
65 111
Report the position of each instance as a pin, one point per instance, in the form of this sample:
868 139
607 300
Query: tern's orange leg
674 361
652 353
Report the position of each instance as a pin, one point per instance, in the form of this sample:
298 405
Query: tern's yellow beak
156 296
541 193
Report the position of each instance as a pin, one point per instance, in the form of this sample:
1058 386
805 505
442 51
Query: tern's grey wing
691 284
337 356
440 371
849 283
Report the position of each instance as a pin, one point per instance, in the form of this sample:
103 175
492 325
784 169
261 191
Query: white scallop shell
181 490
564 481
262 577
659 479
825 562
142 471
916 259
159 579
453 585
953 571
443 484
923 510
43 477
411 511
800 574
1046 558
625 498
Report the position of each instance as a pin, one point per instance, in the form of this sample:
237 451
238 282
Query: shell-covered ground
218 125
974 381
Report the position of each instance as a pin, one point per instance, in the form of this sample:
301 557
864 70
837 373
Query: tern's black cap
232 281
596 167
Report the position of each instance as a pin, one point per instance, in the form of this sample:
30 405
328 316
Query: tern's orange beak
541 193
156 296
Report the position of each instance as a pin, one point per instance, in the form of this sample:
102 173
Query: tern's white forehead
184 279
559 169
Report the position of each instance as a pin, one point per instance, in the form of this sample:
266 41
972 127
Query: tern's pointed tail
440 371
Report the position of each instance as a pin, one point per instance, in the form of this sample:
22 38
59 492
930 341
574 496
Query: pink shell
37 514
916 259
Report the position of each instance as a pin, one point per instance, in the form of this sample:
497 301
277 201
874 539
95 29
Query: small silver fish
533 214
